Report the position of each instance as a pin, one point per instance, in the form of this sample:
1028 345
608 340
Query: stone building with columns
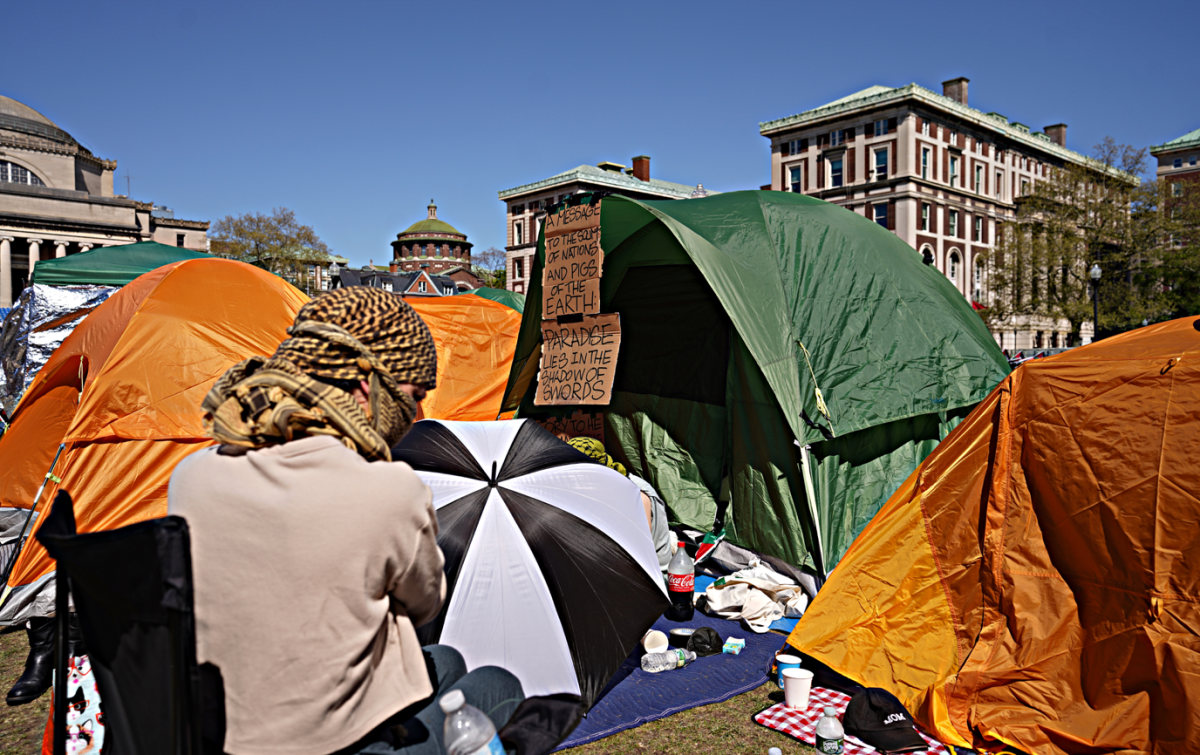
56 199
437 248
940 174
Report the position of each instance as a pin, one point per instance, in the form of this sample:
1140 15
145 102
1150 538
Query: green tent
712 386
109 265
510 299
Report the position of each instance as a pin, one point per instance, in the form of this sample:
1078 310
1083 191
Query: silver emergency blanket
41 318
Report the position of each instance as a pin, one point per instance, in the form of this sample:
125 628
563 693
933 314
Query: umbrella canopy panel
551 570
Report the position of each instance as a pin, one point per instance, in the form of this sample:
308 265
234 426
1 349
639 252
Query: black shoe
39 665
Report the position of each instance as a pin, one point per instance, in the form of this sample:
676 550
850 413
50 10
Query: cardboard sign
574 262
579 361
579 423
573 219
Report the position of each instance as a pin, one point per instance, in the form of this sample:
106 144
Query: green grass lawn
21 727
722 729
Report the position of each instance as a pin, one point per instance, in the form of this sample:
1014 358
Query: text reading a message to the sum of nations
573 219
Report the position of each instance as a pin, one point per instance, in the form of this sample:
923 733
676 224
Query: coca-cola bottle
681 584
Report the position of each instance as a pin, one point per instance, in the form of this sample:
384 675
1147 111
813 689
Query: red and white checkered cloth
802 724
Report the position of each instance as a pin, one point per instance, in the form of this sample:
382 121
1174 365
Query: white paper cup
655 642
782 662
797 683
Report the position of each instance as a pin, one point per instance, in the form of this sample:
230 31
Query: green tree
276 242
491 267
1074 218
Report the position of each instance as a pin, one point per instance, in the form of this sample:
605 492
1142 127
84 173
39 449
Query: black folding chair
133 595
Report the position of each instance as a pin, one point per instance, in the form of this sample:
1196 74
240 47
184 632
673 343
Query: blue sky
355 114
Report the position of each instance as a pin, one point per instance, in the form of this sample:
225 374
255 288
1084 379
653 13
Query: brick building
56 199
526 205
437 248
1179 161
940 174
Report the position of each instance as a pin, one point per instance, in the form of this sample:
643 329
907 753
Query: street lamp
1094 274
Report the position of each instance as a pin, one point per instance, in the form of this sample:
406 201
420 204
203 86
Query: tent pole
29 520
811 495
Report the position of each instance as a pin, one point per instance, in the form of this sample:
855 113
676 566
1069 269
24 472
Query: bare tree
1079 215
490 266
276 242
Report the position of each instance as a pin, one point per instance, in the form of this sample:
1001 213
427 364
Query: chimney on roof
641 168
956 89
432 210
1057 134
393 268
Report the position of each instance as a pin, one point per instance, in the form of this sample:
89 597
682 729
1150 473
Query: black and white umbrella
550 567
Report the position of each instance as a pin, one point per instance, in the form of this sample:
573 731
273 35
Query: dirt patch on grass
726 727
20 727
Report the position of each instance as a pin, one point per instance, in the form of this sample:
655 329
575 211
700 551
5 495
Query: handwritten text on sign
579 361
578 423
574 261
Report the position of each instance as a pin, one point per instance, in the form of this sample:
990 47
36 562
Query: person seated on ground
314 557
656 508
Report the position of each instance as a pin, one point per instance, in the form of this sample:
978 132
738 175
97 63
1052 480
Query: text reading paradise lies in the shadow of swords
574 262
579 361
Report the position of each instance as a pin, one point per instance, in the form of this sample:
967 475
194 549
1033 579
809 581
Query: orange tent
475 339
122 396
1036 581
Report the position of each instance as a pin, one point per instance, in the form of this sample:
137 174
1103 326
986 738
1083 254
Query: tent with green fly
109 265
739 312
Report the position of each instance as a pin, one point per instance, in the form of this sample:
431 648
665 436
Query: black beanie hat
876 717
705 641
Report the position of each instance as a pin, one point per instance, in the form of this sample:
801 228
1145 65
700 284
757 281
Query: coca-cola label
681 582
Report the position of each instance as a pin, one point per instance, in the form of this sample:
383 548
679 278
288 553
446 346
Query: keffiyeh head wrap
355 334
595 449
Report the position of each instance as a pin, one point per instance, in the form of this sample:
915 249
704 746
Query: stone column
6 271
84 247
35 252
60 248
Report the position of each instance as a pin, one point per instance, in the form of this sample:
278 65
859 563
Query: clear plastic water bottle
652 663
830 734
467 730
681 586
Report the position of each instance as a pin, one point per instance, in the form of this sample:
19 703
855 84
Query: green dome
432 226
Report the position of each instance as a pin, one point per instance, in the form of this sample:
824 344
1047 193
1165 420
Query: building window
517 239
13 173
978 280
952 268
999 183
924 217
836 138
796 146
1177 189
881 127
954 223
835 173
1178 162
518 268
881 164
179 239
421 287
797 178
953 171
978 228
978 179
925 163
1191 159
1024 188
881 214
924 128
